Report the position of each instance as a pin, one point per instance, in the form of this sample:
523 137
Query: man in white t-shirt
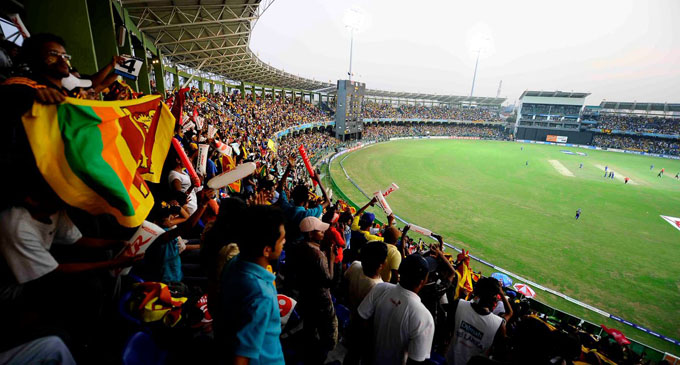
403 328
475 327
30 276
361 277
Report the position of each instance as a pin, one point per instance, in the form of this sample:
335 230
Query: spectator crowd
385 132
642 144
268 270
384 110
638 124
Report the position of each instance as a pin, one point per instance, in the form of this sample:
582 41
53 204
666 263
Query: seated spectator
181 182
248 325
402 328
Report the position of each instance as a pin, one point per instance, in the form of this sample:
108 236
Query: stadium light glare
480 41
354 20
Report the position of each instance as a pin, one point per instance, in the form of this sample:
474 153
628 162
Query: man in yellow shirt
390 271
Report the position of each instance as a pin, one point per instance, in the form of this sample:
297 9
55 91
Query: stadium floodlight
354 21
480 44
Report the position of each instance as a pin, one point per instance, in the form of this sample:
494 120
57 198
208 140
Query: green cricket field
514 205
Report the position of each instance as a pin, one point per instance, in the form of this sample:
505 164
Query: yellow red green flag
96 155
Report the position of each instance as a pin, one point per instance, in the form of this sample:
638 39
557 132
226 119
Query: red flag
616 334
305 159
178 105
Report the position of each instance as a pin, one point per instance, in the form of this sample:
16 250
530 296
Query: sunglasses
65 56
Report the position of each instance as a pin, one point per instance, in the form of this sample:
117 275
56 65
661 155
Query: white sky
619 50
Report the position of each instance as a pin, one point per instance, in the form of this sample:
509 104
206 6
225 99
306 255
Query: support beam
143 78
160 75
196 24
57 17
104 36
242 90
175 79
127 49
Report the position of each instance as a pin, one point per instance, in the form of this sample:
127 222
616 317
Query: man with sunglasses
47 64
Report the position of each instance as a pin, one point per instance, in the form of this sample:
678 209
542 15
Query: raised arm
369 204
284 178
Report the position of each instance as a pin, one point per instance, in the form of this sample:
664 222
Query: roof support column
127 49
52 17
101 19
175 79
212 87
143 77
242 90
159 73
252 92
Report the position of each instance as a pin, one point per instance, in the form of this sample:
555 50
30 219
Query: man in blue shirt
298 209
248 324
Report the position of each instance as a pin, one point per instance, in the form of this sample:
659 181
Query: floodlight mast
353 20
474 76
351 48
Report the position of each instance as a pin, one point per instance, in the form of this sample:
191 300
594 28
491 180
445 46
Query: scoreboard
348 109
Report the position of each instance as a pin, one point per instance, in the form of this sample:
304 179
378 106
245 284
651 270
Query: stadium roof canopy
214 36
554 94
634 106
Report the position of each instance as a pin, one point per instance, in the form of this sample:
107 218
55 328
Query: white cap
313 224
71 82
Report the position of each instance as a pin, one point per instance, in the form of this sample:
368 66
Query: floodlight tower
480 42
354 18
474 76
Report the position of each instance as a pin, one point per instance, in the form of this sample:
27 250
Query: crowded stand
382 110
642 144
385 132
245 257
637 124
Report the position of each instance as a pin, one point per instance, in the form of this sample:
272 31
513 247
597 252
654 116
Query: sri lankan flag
464 274
228 164
96 154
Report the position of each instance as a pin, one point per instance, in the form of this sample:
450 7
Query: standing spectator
390 271
31 276
361 226
475 327
249 323
403 328
299 209
361 277
333 241
320 328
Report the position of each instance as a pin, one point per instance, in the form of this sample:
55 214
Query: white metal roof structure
214 36
554 94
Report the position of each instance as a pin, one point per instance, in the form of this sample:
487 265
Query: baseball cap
432 263
414 266
367 217
313 224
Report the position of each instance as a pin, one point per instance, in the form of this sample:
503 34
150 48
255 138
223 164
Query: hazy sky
619 50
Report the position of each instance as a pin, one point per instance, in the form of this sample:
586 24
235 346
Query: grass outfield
480 195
